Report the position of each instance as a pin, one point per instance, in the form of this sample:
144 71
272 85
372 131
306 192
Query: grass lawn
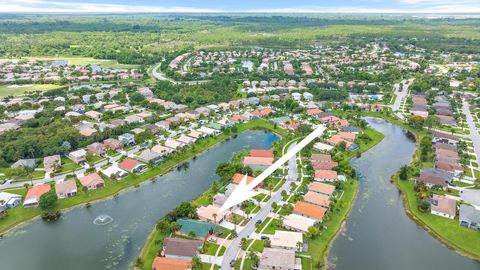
463 239
211 249
307 263
271 228
17 90
257 246
207 266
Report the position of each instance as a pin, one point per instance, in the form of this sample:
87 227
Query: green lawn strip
449 231
19 214
17 90
208 266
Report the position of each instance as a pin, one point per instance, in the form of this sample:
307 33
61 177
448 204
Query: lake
110 234
378 233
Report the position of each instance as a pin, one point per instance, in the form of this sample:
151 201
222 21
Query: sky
261 6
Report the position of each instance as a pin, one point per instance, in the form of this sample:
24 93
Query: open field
79 61
17 90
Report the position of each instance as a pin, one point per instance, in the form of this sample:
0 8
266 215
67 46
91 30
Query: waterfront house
471 196
9 200
184 249
443 206
131 165
261 153
287 240
435 177
162 263
274 258
323 147
66 188
114 173
321 158
92 181
297 223
324 165
469 217
173 144
321 188
317 199
148 156
238 177
309 210
210 213
257 163
326 175
34 194
162 150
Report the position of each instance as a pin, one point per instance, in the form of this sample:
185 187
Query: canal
110 234
378 233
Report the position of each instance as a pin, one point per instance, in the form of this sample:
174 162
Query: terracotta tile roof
238 177
162 263
321 188
444 205
321 157
325 174
262 161
324 165
317 199
261 153
309 210
128 164
37 191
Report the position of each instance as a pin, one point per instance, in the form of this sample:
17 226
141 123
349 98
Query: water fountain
102 220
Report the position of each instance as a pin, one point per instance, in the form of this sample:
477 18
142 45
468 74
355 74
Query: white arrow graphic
245 191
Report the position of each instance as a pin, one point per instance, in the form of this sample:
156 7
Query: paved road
232 251
400 95
474 136
161 77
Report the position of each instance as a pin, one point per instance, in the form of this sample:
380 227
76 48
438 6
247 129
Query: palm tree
215 218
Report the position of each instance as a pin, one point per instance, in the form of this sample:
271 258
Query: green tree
48 200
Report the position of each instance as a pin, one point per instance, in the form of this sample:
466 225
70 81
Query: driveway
400 96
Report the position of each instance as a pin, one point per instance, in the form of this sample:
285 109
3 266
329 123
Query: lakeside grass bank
460 239
19 215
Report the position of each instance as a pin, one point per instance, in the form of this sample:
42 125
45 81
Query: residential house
163 263
25 164
92 181
33 195
317 199
210 213
173 144
261 153
432 177
127 139
113 144
162 150
257 163
50 163
273 258
184 249
309 210
114 173
131 165
148 156
326 175
66 188
469 217
321 188
94 115
79 156
97 149
9 200
297 223
287 240
443 206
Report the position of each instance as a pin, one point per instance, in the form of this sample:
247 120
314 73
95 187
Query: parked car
264 237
